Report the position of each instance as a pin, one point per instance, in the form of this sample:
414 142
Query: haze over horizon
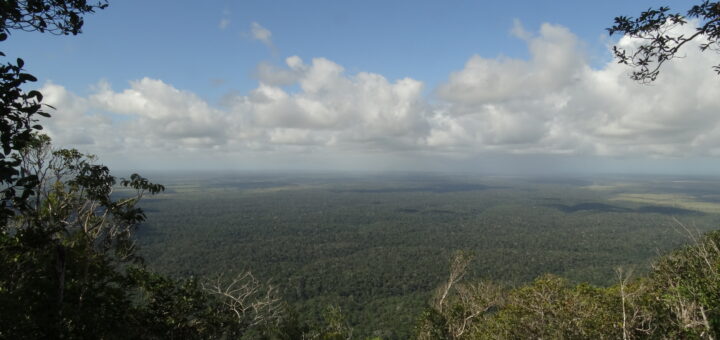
513 87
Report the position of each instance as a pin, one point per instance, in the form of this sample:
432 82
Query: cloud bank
554 103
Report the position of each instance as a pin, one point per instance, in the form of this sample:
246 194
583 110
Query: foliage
377 247
19 109
550 308
457 306
73 198
333 327
660 44
60 256
53 16
679 299
18 112
69 267
687 286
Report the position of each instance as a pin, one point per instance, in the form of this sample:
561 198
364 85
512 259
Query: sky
487 86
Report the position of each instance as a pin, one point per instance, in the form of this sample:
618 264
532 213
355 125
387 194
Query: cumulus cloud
164 111
360 108
556 61
552 103
272 75
556 103
332 109
150 115
73 124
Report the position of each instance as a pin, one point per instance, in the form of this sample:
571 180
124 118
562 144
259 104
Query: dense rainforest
387 268
377 246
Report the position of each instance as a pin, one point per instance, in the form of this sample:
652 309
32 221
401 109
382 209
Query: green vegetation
20 109
378 269
660 44
677 300
679 202
377 245
70 270
68 267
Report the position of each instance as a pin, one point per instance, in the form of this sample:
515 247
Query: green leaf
27 77
36 94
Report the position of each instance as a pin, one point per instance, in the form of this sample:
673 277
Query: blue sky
394 84
182 43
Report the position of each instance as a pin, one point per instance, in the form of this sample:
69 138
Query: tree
457 307
60 255
661 44
68 267
19 109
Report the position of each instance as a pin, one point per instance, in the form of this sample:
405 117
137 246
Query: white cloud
553 103
359 108
556 61
332 109
556 103
268 74
261 34
72 125
150 115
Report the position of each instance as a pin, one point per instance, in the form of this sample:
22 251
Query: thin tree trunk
60 271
